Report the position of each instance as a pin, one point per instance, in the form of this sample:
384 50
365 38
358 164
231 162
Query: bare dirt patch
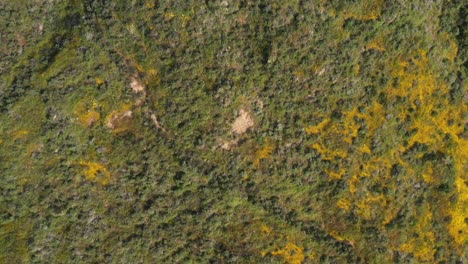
242 123
137 85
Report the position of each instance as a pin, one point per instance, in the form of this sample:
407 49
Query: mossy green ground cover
233 131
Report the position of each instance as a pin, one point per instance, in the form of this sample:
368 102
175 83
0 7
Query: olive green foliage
343 164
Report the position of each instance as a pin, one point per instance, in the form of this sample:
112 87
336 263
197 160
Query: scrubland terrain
238 131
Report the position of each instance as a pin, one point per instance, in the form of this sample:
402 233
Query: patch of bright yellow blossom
318 128
291 253
377 44
266 229
20 134
263 153
96 172
344 204
86 112
99 81
420 100
422 245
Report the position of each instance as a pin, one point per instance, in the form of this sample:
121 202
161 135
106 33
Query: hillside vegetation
239 131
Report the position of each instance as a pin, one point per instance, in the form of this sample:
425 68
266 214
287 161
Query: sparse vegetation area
237 131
